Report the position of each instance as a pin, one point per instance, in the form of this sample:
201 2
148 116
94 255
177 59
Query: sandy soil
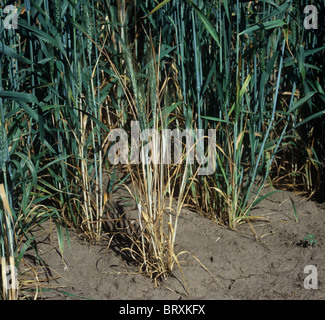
264 260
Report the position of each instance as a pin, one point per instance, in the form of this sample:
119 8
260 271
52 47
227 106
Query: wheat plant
73 71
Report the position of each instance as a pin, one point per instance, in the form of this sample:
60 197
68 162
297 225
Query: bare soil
260 260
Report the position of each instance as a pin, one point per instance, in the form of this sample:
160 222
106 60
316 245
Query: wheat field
74 72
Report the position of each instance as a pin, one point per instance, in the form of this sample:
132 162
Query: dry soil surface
261 260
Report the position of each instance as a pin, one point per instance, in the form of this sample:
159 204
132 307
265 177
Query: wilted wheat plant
72 71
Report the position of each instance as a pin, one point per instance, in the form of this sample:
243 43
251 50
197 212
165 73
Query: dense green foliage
74 70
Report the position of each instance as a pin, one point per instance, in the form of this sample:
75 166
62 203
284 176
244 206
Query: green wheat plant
239 56
50 93
73 71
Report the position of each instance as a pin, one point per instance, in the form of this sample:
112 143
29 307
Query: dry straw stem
35 279
8 262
